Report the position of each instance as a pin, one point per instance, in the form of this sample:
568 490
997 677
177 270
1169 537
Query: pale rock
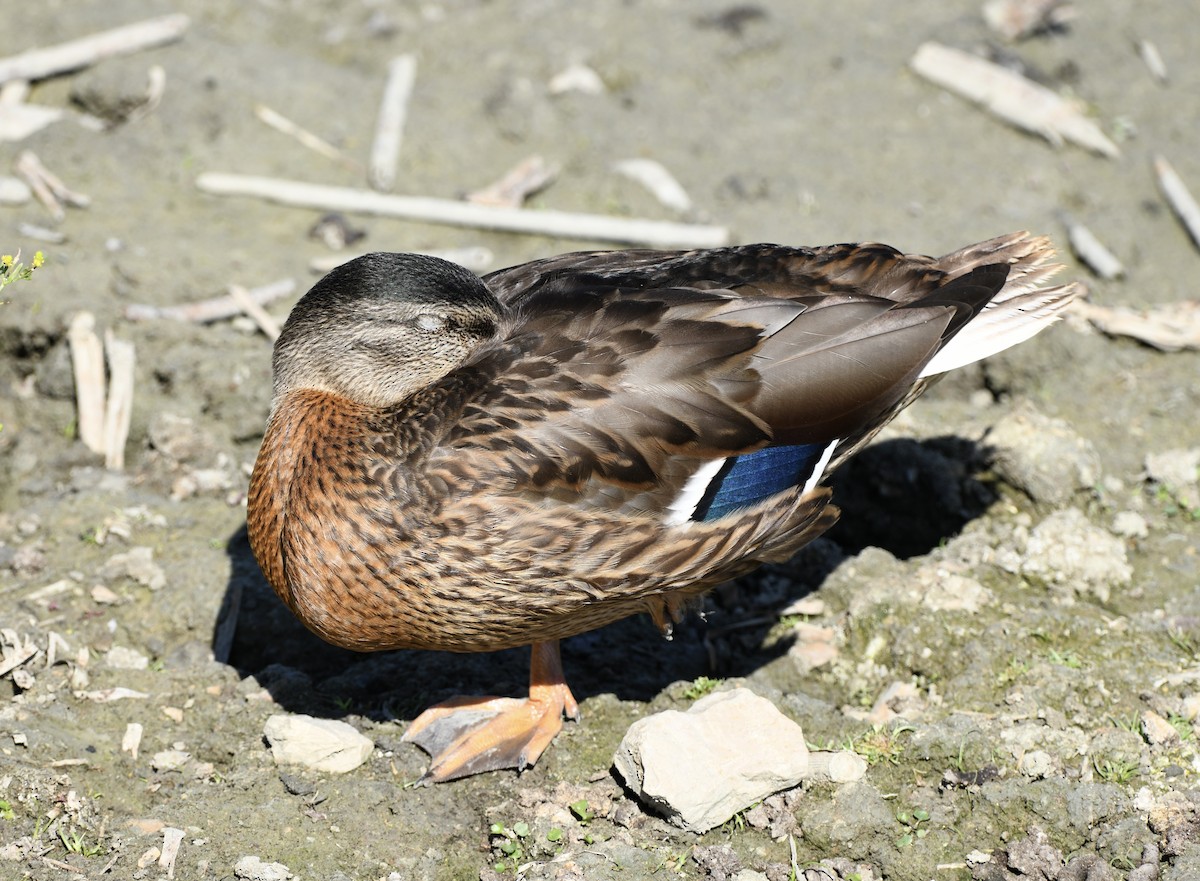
1158 731
254 869
321 744
137 564
1130 524
954 593
701 767
1174 468
1037 763
170 760
814 646
1065 549
1043 457
120 657
14 191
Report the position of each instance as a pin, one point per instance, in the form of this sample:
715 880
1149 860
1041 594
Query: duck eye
429 322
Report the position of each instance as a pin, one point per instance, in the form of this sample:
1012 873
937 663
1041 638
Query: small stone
170 760
1174 469
14 191
1130 524
121 658
1043 457
104 596
953 593
254 869
137 564
149 858
1037 763
814 647
701 767
1065 549
321 744
577 78
146 826
807 605
1158 731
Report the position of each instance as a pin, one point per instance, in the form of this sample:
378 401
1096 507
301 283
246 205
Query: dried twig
1182 202
660 182
527 177
19 120
389 128
1011 97
281 123
1153 60
1169 327
156 87
268 325
1091 250
119 412
654 233
172 838
47 186
475 259
87 359
37 64
207 311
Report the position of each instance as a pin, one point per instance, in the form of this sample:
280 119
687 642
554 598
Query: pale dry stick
37 64
281 123
208 311
661 183
119 414
14 92
1182 202
1168 328
268 325
156 87
87 360
1091 250
562 224
172 838
389 127
529 176
47 186
1011 97
132 739
1153 60
475 259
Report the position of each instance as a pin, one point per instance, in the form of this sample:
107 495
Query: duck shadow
905 496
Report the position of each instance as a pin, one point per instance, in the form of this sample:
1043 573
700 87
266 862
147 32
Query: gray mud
1030 611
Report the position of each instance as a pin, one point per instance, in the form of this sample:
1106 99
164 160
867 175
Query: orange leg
469 735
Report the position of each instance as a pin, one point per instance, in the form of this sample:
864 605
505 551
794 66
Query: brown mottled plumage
472 465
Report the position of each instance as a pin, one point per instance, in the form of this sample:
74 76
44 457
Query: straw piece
87 359
37 64
1182 202
119 412
389 129
653 233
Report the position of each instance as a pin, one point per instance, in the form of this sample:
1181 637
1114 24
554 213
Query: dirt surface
1007 621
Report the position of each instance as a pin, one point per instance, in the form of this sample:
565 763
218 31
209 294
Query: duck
470 464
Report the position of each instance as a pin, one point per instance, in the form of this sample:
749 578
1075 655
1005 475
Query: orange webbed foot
470 735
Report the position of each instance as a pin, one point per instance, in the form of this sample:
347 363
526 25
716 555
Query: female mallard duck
469 465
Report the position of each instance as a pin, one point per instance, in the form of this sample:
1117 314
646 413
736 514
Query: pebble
170 760
138 564
321 744
1174 468
1066 549
1130 524
814 646
700 767
1158 731
14 191
1037 763
252 868
1043 457
121 658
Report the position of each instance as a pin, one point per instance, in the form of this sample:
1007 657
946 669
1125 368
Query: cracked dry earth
1005 625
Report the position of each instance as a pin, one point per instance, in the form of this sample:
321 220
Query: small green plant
1130 722
1183 642
672 861
1015 670
701 686
582 811
882 744
6 811
509 842
1119 771
915 824
75 843
555 835
1183 725
1066 658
